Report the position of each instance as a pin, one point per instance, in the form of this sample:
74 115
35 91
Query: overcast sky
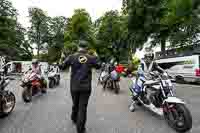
96 8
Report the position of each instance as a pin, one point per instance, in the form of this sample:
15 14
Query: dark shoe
73 119
83 130
44 91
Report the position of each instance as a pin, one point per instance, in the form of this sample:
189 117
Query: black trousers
79 108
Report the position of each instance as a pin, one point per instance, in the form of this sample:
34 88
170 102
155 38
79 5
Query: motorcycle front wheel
7 104
179 118
27 95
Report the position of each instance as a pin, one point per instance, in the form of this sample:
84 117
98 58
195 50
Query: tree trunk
38 52
163 46
38 40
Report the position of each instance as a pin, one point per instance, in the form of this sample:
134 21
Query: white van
183 69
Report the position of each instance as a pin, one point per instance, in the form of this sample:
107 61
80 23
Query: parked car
185 73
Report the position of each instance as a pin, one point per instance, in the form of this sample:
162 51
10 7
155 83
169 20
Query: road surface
107 112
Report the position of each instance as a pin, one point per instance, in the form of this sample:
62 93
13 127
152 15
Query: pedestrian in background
80 83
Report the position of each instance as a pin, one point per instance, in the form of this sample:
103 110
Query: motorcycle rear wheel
51 83
116 87
6 109
58 82
179 118
27 95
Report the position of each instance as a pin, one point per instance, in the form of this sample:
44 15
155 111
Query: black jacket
81 70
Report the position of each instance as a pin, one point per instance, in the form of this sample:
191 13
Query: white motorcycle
162 101
54 78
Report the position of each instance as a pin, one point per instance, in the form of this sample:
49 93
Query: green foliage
79 27
38 32
175 21
56 39
111 35
135 63
12 40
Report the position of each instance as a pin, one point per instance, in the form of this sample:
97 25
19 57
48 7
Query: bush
133 65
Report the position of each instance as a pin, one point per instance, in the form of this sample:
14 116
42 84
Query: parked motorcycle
54 78
7 98
32 85
112 82
162 100
103 76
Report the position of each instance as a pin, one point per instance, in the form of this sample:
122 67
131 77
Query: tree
7 26
38 32
22 44
7 10
178 25
170 20
142 19
111 35
56 42
79 27
12 35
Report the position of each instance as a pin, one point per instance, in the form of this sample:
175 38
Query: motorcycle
32 85
103 76
54 78
7 98
112 82
162 101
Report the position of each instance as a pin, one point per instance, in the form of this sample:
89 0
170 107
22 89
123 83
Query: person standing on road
80 83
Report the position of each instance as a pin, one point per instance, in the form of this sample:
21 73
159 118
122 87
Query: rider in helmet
147 65
35 66
37 69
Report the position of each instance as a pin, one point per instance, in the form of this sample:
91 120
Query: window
176 67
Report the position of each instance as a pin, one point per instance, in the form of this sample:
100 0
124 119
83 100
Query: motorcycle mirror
12 78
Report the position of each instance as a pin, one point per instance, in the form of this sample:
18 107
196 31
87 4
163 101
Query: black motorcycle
7 98
54 78
112 82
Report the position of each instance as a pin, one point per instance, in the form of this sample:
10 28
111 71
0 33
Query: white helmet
149 55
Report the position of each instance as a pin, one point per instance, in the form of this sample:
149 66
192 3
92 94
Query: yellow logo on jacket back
82 59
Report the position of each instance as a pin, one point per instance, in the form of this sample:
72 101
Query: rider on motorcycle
37 69
147 65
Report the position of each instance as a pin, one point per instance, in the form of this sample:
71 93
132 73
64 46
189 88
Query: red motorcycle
32 85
